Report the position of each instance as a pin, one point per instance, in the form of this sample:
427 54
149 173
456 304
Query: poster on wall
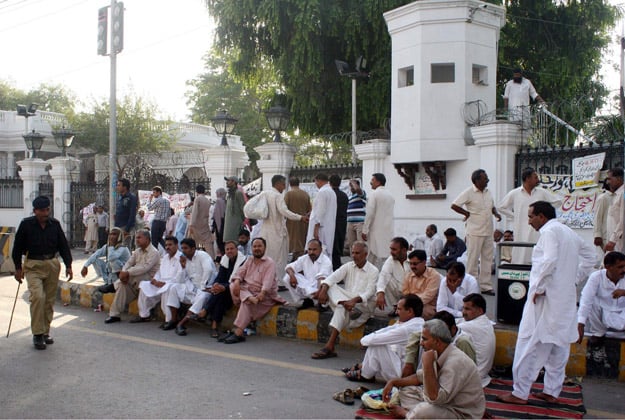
578 204
586 170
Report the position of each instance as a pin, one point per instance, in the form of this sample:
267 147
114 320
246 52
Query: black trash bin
512 286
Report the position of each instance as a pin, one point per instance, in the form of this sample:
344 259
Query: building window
443 73
406 76
479 75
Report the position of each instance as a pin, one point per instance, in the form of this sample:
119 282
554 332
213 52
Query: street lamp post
224 124
278 120
33 141
63 138
26 112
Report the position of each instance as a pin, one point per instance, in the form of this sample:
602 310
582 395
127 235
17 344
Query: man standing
42 239
549 325
254 289
298 201
162 210
353 303
219 219
477 326
479 228
103 225
199 225
422 281
431 242
341 221
303 275
615 214
234 210
125 210
516 97
602 223
150 291
515 204
274 226
355 213
378 227
142 265
323 215
389 287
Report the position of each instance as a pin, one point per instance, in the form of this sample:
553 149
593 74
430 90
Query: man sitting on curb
448 384
353 304
389 287
304 274
454 287
108 260
386 347
150 291
422 281
255 289
602 304
477 325
142 265
197 268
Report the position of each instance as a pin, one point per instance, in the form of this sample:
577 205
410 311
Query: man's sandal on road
324 353
346 397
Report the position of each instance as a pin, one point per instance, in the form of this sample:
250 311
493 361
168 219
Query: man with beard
303 275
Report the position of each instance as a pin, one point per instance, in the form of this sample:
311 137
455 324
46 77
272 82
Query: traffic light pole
113 128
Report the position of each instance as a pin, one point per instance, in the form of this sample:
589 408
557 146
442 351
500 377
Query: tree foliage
50 97
558 42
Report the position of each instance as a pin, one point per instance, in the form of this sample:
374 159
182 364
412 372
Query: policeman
41 239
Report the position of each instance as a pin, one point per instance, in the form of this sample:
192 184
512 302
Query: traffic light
117 28
102 30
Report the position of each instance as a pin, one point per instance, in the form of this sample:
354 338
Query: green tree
559 43
50 97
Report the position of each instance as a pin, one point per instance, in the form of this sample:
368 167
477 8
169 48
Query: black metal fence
11 193
85 193
307 173
558 159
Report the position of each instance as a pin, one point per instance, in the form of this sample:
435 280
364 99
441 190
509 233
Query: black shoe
171 325
112 319
181 331
282 289
39 342
224 336
307 303
138 319
47 339
322 308
233 338
107 288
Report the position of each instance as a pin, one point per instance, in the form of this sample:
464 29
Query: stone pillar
498 142
10 165
223 161
275 159
374 155
30 173
64 171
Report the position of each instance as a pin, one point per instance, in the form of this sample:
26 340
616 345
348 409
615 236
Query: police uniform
41 245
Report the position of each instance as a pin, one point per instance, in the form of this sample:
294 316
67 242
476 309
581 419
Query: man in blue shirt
125 210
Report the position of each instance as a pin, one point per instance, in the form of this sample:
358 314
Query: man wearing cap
42 239
162 211
234 210
516 97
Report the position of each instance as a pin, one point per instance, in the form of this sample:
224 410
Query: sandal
215 333
355 376
347 369
324 353
359 391
346 397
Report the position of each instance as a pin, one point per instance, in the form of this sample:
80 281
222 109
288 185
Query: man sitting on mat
353 304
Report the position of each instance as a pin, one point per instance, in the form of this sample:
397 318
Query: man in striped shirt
355 213
161 208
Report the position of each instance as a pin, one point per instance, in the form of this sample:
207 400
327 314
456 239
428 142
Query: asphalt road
127 370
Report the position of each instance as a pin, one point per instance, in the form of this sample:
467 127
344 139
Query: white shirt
379 225
395 335
323 213
170 267
560 260
358 281
616 215
603 224
482 334
432 246
392 272
200 270
316 270
518 94
598 291
452 302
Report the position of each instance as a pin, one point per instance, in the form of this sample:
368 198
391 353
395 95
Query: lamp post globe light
224 124
63 138
33 141
278 119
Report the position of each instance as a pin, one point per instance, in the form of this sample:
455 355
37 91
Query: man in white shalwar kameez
273 228
615 214
323 215
477 326
386 348
353 303
454 287
388 289
549 322
603 224
514 206
379 226
150 291
198 269
303 275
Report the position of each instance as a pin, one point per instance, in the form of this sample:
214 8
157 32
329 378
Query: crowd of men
440 349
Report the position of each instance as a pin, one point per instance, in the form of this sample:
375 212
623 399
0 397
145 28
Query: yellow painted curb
307 321
268 325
